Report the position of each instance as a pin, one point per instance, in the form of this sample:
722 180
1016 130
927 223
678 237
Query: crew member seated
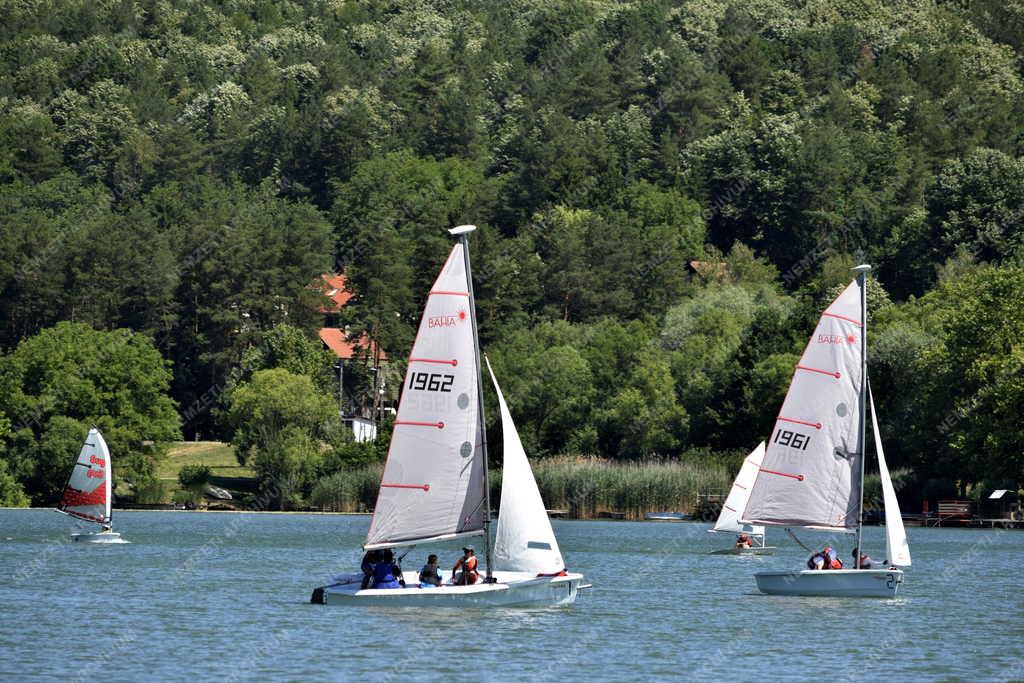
387 574
743 541
864 562
826 558
429 575
467 563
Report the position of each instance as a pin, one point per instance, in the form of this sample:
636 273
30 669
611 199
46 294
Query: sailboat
434 487
87 493
812 475
729 519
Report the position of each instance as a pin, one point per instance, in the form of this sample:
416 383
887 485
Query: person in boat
387 574
430 576
105 529
369 559
743 541
467 564
864 562
826 558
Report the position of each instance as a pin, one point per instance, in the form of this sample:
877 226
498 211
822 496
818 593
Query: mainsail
811 473
896 547
736 501
87 493
525 541
433 485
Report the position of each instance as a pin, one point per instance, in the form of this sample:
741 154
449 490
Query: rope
793 536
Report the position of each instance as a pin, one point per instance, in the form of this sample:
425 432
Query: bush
350 490
151 493
194 476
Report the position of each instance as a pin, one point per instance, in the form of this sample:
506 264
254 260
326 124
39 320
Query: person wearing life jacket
366 566
467 563
430 577
387 574
826 558
864 562
743 541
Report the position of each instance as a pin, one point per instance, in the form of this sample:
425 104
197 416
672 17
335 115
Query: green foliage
189 173
70 377
279 420
11 493
194 476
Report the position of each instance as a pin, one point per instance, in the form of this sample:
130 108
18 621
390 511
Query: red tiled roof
338 342
334 289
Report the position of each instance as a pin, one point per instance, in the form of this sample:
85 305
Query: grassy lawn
216 455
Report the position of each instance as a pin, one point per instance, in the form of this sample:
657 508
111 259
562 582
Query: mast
463 233
862 279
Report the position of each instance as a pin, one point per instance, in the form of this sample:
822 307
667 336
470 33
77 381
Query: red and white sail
811 473
736 501
433 483
87 493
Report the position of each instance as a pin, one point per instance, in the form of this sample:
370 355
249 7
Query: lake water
224 596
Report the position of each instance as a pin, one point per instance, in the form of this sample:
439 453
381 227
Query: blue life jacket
384 575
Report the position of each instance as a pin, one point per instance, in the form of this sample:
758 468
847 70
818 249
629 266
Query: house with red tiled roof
362 417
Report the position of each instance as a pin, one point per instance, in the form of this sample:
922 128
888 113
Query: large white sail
736 501
811 473
87 493
433 483
525 541
897 548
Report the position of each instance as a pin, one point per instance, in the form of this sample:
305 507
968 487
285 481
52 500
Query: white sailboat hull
834 583
512 590
98 537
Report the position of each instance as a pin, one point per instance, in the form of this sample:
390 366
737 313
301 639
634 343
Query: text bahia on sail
434 487
87 493
812 475
729 518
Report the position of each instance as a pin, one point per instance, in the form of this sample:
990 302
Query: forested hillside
667 195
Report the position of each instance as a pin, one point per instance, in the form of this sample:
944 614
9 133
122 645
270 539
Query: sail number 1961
785 437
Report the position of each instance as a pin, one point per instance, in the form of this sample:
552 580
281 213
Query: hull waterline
833 583
756 550
510 591
98 538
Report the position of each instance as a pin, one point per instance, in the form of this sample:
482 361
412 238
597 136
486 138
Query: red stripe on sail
439 425
75 498
424 487
816 425
740 486
823 372
798 477
842 317
453 362
729 508
446 293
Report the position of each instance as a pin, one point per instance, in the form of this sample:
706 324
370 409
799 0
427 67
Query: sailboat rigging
435 482
812 475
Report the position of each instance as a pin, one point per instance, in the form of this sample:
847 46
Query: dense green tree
70 377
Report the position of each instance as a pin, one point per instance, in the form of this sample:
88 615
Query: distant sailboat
87 493
434 486
812 475
729 519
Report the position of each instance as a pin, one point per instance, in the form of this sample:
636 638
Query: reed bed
584 486
350 490
587 486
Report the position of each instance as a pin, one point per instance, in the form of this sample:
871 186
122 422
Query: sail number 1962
785 437
430 381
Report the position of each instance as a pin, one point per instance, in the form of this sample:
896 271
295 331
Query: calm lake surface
224 596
